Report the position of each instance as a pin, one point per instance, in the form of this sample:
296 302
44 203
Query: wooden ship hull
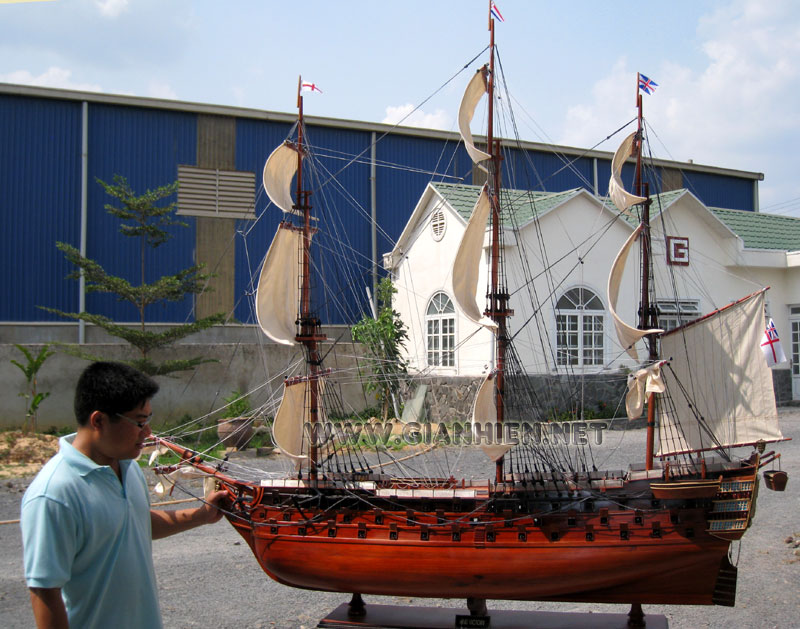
506 541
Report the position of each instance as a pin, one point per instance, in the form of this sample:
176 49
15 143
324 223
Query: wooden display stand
401 617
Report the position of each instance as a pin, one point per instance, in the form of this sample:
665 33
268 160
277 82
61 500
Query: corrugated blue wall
719 191
255 140
399 189
528 170
40 200
40 153
145 146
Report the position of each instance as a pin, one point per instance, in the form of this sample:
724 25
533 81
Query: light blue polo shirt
85 532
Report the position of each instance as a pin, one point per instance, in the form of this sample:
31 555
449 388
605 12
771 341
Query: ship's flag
648 86
309 87
773 351
496 12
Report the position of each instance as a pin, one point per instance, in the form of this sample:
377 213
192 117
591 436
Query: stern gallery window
440 321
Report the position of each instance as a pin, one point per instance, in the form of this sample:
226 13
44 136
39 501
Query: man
87 527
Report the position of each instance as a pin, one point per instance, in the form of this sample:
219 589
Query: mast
309 334
498 294
646 313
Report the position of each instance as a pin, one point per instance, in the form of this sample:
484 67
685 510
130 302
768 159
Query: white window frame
440 332
673 313
572 333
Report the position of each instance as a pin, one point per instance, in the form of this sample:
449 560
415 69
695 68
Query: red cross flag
309 87
771 346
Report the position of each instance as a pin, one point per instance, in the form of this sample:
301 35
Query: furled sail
621 197
279 169
642 382
718 362
292 416
466 265
278 292
472 96
484 421
628 336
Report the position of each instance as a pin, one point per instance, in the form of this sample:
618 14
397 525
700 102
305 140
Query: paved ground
208 578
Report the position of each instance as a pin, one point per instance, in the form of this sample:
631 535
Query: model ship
541 527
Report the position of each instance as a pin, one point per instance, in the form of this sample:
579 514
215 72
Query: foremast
497 309
647 312
309 334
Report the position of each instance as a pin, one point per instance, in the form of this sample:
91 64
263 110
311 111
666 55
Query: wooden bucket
776 479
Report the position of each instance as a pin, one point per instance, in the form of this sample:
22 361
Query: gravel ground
207 577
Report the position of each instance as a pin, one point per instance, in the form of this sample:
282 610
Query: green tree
144 218
384 338
32 396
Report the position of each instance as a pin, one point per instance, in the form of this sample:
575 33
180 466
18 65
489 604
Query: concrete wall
450 398
245 366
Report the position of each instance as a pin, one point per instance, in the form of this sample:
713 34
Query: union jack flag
648 86
496 12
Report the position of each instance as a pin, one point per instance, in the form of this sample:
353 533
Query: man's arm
48 608
166 523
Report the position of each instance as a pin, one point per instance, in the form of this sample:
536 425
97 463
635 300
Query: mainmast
498 294
309 334
647 318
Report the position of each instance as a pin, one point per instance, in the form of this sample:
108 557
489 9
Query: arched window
440 321
579 328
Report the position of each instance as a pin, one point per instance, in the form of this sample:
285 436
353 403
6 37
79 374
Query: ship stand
357 614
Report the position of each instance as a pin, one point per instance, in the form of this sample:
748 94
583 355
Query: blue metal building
55 144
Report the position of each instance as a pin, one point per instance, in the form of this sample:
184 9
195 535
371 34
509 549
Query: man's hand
209 512
166 523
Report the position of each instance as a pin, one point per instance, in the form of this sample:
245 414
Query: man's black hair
111 388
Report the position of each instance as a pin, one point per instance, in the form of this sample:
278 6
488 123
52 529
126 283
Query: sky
727 70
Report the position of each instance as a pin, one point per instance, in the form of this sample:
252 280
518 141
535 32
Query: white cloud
111 8
52 77
405 115
738 111
160 89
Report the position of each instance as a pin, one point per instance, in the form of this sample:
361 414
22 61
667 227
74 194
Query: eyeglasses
131 420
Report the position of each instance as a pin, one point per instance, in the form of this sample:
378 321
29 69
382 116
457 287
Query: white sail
467 263
718 362
278 292
628 336
484 421
293 414
472 96
621 197
279 169
644 381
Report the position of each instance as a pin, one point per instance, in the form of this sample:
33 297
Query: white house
707 257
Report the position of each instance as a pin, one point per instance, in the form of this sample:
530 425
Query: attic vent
216 193
438 224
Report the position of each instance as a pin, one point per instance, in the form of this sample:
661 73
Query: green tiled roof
660 202
762 231
525 204
758 231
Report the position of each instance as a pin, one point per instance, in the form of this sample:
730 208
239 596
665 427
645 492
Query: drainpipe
755 196
84 213
594 176
373 190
